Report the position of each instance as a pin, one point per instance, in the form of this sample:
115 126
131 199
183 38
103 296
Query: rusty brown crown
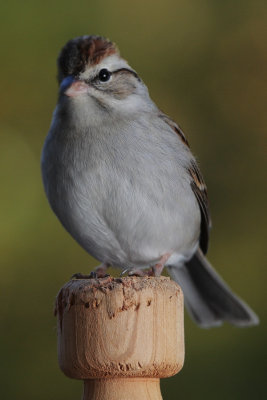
83 51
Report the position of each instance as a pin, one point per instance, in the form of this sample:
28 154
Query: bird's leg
158 268
99 272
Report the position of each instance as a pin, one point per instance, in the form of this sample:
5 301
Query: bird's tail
208 299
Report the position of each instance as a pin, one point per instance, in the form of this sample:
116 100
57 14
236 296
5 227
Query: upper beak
72 87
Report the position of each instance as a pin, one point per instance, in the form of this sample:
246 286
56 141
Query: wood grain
120 335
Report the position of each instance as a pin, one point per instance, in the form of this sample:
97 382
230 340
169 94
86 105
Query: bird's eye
104 75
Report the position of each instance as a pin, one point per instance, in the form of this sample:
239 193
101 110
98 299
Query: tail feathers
208 299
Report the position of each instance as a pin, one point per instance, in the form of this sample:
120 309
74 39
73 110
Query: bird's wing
174 127
198 186
200 190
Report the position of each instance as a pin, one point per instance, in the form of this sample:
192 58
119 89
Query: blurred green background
205 65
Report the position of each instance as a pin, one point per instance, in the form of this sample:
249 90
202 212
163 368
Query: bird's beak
73 87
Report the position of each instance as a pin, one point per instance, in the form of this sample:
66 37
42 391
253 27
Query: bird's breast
121 193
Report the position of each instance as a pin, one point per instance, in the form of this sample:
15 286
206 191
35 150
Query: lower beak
73 88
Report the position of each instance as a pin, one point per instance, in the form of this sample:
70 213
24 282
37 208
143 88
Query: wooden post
120 335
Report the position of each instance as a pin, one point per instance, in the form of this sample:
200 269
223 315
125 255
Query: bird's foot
156 270
140 272
99 272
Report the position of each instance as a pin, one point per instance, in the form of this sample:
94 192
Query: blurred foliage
205 65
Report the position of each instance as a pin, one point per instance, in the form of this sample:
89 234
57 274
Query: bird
120 176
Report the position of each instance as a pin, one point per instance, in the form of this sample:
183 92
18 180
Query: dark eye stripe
126 70
117 71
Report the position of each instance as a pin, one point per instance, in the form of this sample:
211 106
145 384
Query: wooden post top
120 328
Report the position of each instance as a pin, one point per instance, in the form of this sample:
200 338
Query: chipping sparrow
121 178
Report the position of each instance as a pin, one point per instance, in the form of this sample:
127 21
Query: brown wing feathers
198 186
200 190
175 127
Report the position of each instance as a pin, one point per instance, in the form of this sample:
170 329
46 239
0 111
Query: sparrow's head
91 72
